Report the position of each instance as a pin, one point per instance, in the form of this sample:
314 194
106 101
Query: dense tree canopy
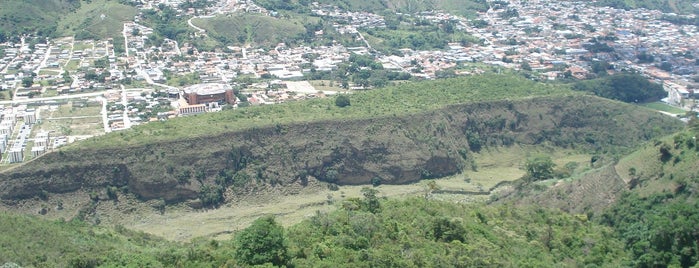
342 101
262 242
625 87
539 168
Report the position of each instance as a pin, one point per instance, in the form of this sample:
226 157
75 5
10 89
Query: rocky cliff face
389 150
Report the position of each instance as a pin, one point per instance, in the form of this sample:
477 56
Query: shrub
262 242
211 195
540 168
376 181
342 101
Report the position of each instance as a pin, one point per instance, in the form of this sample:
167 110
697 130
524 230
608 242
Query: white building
41 139
38 150
16 155
30 116
3 142
675 92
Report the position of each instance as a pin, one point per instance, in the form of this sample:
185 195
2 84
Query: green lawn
72 65
664 107
48 72
81 45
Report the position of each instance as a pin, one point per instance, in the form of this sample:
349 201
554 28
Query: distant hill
56 18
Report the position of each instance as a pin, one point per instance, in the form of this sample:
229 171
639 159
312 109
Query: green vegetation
624 87
184 80
657 218
391 101
362 70
97 19
655 208
166 24
664 107
539 168
34 16
420 233
418 34
342 101
28 241
262 242
253 29
660 228
364 232
54 18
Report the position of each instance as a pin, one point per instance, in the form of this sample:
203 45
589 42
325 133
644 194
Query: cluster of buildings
16 140
59 66
355 19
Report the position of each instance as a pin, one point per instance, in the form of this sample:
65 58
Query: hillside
248 29
393 136
97 20
56 18
363 232
20 17
649 197
31 242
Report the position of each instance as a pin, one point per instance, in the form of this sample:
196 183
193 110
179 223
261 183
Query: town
60 90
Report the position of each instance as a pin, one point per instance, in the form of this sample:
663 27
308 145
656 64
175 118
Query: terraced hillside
418 131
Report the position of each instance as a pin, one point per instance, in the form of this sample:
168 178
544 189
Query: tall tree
539 168
262 242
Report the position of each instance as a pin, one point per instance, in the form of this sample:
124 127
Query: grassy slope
27 16
657 218
657 174
648 196
393 101
659 106
20 16
29 241
251 28
88 18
